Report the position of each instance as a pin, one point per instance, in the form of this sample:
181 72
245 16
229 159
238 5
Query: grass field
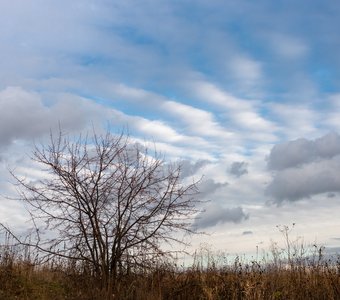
311 276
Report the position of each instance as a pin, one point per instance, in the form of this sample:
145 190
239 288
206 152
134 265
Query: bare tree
109 202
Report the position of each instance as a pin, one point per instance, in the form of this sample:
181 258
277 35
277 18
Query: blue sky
245 93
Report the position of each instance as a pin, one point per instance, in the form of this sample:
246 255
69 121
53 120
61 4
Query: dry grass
311 277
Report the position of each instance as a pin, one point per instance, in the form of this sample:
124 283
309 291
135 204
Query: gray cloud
24 115
189 168
304 168
238 168
302 151
216 214
247 232
208 187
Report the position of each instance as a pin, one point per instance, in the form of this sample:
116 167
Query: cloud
304 168
238 168
216 214
197 121
291 154
157 129
288 46
243 114
302 151
295 120
189 168
247 71
302 182
24 115
247 232
208 187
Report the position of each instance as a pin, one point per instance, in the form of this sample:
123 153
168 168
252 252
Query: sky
244 93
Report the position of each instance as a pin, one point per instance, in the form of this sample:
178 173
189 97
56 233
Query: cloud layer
238 168
217 86
303 168
216 214
303 151
24 115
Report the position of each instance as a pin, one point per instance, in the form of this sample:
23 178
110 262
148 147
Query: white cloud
332 115
198 121
243 113
246 70
288 46
158 131
295 120
252 120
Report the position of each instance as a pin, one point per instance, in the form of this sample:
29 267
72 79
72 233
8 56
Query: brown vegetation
312 277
